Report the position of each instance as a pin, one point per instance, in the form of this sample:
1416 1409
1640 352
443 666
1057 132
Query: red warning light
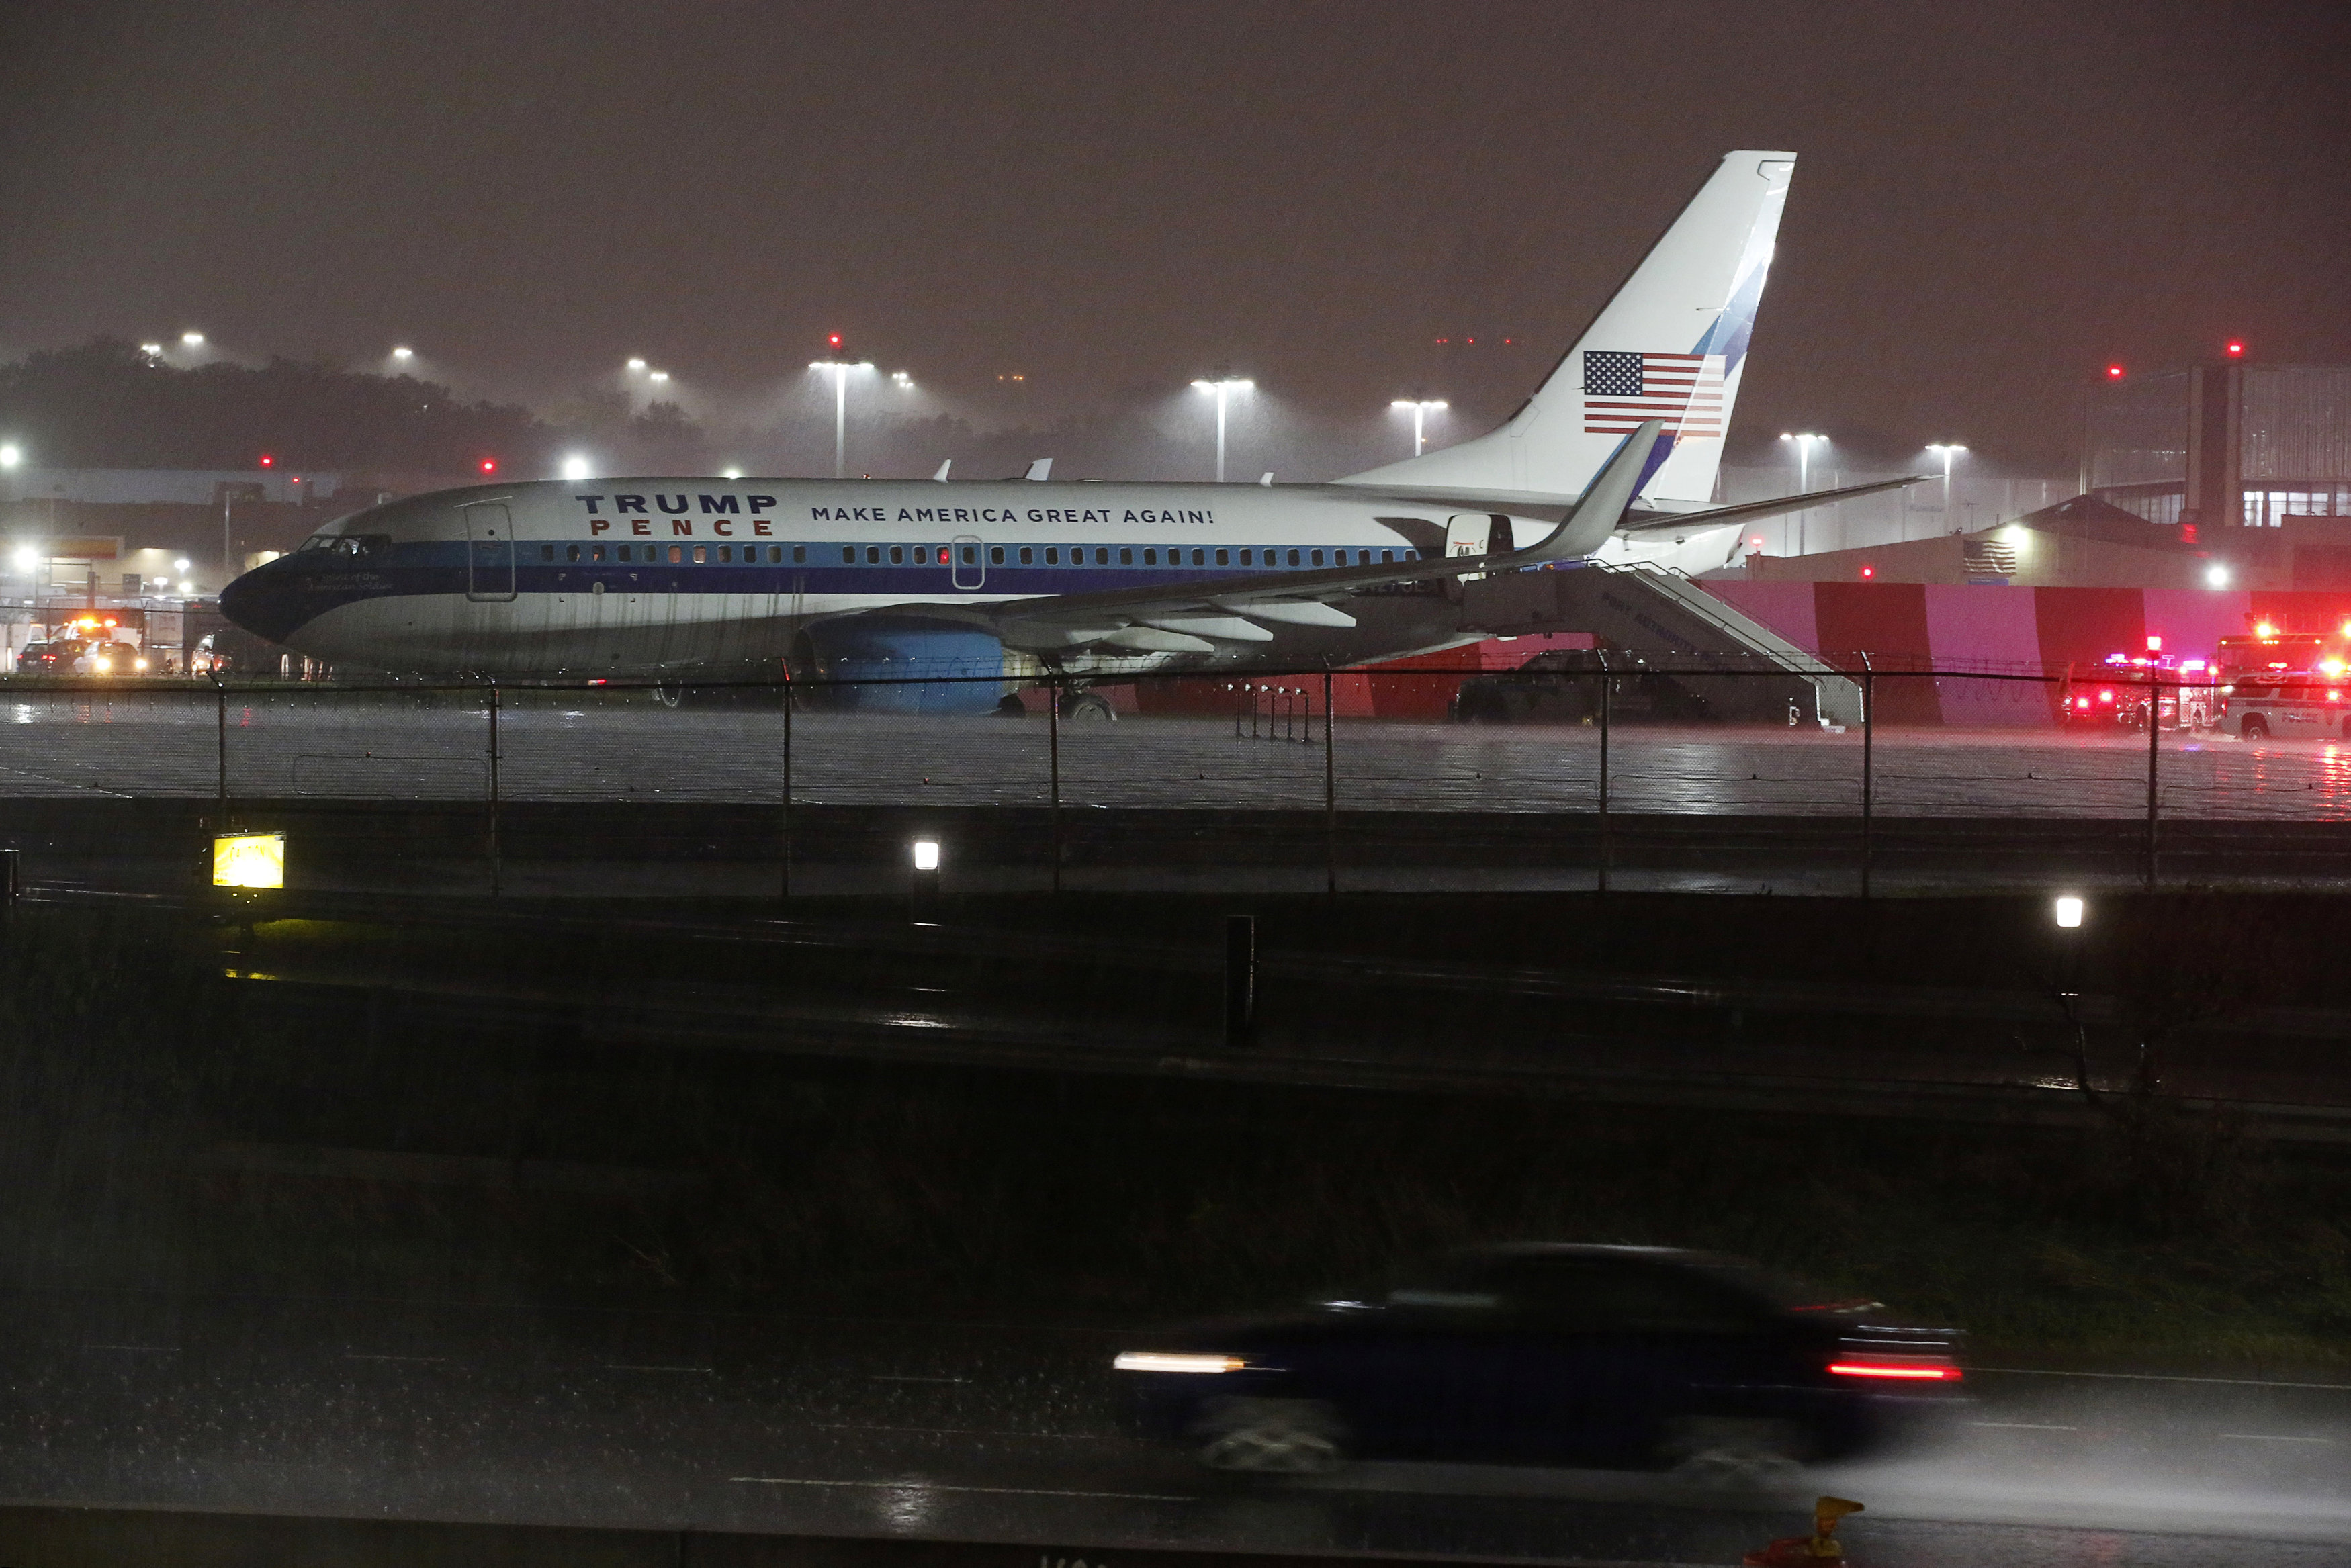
1869 571
834 342
2114 372
2235 348
489 465
267 461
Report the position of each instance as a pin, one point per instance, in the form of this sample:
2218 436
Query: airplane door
970 569
489 553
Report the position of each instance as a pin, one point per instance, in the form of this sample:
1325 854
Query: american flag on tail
1622 388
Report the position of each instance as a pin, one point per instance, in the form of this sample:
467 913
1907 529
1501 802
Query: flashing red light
1869 571
2080 701
1909 1371
267 461
2332 695
834 342
2235 348
598 681
489 465
2106 696
2153 643
2114 372
943 555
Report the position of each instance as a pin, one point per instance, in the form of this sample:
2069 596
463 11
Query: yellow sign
249 860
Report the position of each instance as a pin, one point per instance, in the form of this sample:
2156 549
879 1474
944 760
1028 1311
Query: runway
331 745
980 1431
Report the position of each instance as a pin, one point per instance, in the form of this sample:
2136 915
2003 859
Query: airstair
1663 621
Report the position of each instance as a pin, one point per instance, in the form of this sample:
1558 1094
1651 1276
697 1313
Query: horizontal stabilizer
1645 522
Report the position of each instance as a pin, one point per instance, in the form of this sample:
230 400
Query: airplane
906 584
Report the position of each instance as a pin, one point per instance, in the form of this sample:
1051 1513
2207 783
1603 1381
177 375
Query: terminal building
2224 445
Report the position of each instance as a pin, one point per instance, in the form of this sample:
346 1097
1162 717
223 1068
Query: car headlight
1173 1361
138 664
104 665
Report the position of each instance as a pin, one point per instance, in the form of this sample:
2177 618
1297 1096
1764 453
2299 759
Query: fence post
1607 682
1053 739
785 877
2154 736
1868 771
220 689
495 869
1330 794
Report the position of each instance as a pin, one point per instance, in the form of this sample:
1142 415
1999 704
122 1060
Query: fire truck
2114 692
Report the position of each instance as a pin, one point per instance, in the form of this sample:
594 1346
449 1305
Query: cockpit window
349 544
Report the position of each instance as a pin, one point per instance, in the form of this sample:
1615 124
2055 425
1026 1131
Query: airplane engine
920 666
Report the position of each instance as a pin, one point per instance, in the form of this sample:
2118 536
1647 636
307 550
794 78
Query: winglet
1041 469
1602 506
941 476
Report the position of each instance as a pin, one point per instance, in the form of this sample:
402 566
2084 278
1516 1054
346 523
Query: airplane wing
1194 617
1641 520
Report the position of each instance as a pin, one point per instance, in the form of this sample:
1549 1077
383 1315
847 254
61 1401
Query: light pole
1421 408
1803 441
1225 384
1947 451
841 368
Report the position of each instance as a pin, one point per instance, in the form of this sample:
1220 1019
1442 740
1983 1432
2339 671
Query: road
985 1431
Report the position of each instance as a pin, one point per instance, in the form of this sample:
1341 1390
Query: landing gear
1087 705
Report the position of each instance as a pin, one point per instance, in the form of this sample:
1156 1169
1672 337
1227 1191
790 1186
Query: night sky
1993 200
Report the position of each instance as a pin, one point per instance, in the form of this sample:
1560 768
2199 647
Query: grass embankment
2161 1239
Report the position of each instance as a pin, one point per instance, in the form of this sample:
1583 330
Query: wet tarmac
982 1432
330 745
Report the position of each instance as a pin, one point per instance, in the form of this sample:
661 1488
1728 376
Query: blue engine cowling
917 659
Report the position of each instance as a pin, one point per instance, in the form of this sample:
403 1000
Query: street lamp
841 369
638 366
1421 408
1948 451
404 353
11 454
191 339
575 468
1803 441
1223 387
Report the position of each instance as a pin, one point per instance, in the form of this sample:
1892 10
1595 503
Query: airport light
2068 910
575 467
1947 451
841 366
638 366
151 349
659 377
730 473
904 382
1223 387
1421 408
2236 349
926 854
181 564
191 339
2216 575
11 454
28 559
404 353
2114 372
1803 441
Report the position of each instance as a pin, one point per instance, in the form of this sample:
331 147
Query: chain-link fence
1645 775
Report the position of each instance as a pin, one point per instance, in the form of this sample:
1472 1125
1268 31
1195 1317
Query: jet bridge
1666 622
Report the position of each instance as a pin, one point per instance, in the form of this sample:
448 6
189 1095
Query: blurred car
2311 703
78 656
1612 1357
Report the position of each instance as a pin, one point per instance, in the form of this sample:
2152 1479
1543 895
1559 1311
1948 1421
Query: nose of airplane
264 601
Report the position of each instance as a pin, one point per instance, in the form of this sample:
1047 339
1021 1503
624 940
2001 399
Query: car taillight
1898 1368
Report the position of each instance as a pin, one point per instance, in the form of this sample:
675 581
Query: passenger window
677 554
1388 556
1244 558
1221 557
1126 556
1052 557
1318 558
701 555
799 553
996 555
970 556
897 555
849 554
1151 557
595 552
1293 558
726 554
546 551
1101 554
570 552
1199 558
1028 556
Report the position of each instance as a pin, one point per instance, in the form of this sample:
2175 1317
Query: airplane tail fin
1670 346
